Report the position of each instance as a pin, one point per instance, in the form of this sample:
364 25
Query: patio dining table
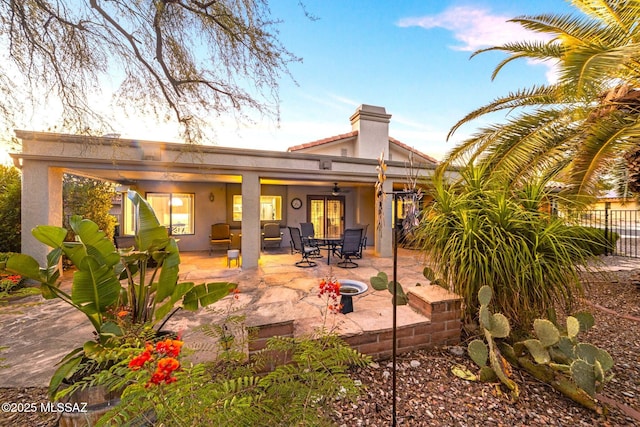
330 244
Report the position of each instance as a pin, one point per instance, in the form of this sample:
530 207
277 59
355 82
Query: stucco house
329 182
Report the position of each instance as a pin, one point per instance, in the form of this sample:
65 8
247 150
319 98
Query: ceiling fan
336 191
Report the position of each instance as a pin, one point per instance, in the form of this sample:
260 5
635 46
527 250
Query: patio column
250 219
41 205
384 238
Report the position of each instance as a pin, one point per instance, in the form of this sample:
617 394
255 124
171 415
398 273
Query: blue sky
409 56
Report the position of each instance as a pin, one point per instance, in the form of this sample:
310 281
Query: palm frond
604 142
537 95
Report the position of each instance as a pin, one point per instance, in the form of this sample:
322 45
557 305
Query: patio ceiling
128 177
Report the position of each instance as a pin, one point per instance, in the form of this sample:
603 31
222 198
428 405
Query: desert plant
493 325
577 370
10 199
146 299
477 231
293 394
560 350
381 281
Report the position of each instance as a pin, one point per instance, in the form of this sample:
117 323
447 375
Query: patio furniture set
347 247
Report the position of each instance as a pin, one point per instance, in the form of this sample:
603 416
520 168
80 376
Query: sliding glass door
327 215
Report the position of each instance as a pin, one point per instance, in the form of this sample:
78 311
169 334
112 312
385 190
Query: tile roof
412 150
353 134
324 141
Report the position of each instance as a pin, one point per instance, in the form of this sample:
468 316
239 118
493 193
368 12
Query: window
270 208
173 210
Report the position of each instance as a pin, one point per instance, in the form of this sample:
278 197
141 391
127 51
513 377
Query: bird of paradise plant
108 281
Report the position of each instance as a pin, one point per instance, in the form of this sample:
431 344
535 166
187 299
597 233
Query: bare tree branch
191 58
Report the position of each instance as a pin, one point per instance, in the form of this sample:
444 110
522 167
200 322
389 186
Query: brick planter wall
441 326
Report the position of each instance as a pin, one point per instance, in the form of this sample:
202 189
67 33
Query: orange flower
138 361
122 313
169 347
168 364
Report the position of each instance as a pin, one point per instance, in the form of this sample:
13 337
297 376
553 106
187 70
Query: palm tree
580 128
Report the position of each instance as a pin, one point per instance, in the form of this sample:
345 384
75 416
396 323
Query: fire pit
348 289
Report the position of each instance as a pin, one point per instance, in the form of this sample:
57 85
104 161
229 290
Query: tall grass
478 232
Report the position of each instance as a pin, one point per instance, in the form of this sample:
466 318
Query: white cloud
475 28
479 29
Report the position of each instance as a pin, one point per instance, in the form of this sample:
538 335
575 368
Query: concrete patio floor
38 333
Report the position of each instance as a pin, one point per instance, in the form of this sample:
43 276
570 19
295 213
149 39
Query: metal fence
626 223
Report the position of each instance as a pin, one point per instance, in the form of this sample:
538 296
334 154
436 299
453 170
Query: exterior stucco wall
221 171
334 149
205 214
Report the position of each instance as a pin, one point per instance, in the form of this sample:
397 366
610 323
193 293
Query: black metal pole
394 348
395 305
606 229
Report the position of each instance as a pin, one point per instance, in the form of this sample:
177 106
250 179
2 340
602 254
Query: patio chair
363 241
297 246
350 248
220 235
308 237
271 234
125 242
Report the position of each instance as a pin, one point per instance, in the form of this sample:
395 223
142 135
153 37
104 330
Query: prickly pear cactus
382 282
585 363
494 325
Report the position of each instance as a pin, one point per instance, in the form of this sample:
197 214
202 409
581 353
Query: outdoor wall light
212 197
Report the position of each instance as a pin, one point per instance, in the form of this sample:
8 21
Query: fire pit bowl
348 289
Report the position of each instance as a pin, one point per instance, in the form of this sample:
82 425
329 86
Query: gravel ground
430 395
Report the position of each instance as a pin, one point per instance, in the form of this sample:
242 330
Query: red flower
167 351
331 289
169 347
138 361
168 364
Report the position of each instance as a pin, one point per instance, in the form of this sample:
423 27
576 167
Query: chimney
372 124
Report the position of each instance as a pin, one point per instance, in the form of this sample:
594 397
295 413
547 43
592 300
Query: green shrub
13 285
10 200
91 199
479 232
593 239
295 394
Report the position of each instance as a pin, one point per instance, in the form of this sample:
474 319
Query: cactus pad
487 374
538 351
429 274
546 332
586 320
484 295
379 282
587 352
573 327
500 326
478 352
485 317
584 376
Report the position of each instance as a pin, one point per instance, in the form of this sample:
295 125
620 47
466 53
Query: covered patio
277 299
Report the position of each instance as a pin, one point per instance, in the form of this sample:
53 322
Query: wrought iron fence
626 223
